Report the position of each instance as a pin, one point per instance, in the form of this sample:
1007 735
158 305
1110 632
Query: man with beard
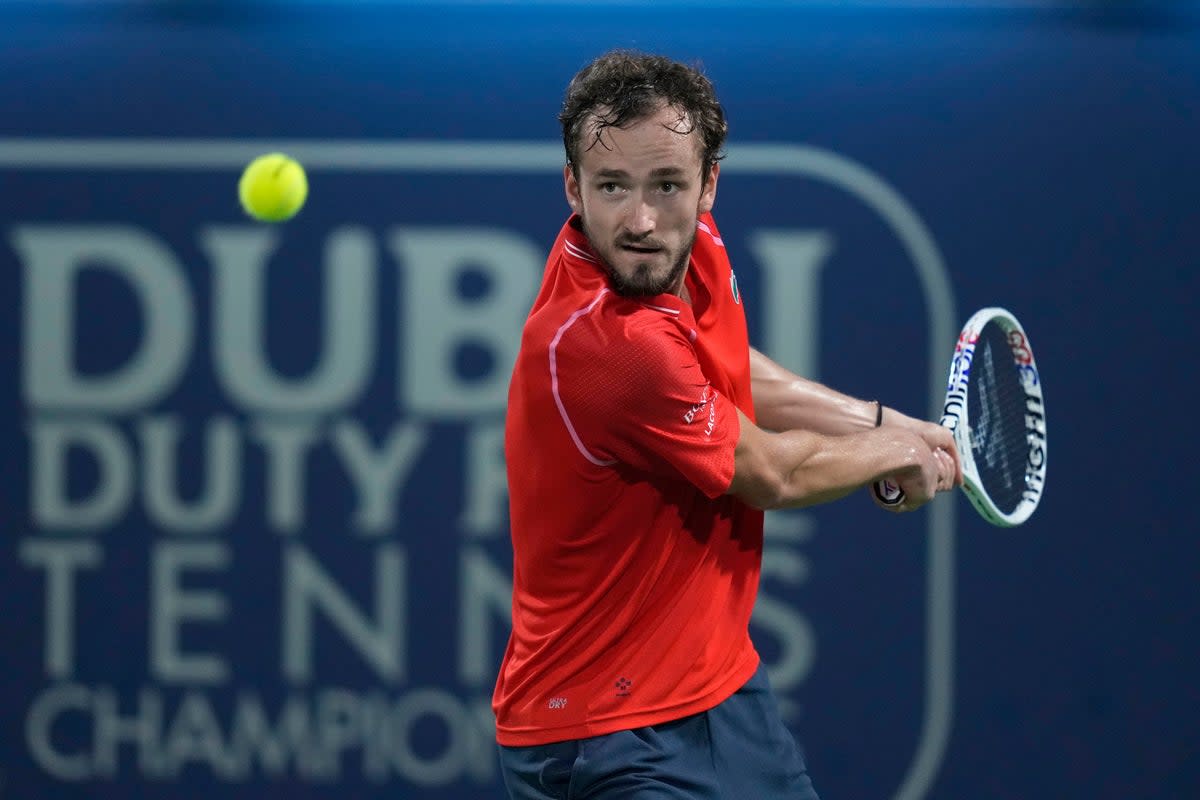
644 437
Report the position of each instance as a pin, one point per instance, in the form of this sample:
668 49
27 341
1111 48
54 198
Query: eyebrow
659 172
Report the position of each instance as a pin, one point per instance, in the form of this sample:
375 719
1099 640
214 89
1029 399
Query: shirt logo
733 287
705 398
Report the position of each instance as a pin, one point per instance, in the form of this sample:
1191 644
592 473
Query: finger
954 476
941 437
946 470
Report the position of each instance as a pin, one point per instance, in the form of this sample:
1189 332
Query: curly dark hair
627 85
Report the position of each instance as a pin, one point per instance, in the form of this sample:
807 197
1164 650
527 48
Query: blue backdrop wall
254 532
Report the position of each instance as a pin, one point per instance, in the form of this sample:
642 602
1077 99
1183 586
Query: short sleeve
643 400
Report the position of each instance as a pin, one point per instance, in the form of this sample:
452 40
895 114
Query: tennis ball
273 187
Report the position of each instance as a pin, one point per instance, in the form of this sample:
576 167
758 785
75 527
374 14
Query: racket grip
888 493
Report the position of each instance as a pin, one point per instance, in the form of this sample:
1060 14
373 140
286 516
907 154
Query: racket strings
996 407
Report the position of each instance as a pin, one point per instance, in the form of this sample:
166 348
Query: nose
641 216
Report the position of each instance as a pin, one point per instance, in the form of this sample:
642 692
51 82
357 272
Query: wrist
890 418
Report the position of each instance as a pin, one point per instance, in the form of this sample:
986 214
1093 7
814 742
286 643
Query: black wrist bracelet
878 413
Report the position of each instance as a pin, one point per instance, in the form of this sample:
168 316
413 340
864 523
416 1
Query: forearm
785 401
801 468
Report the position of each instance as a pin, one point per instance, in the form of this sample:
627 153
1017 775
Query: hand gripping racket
995 408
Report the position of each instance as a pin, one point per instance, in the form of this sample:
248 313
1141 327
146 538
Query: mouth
640 249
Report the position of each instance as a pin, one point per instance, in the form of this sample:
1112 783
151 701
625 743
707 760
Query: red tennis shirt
634 574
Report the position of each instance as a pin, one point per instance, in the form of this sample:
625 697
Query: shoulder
611 325
707 235
618 342
709 256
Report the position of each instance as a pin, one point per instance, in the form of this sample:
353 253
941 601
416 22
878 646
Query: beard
642 282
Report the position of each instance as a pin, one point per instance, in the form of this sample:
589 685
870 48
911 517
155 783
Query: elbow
773 476
774 496
765 491
770 490
781 494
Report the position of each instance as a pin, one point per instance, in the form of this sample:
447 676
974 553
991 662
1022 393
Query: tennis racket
995 408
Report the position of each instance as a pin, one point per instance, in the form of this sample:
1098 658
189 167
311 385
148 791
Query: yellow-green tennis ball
273 187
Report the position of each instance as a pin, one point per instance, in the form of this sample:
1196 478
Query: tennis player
643 439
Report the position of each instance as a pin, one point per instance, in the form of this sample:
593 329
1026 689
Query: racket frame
954 415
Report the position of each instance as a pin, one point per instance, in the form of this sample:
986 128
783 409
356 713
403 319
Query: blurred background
251 476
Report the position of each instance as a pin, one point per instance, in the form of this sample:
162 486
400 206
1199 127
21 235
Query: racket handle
888 493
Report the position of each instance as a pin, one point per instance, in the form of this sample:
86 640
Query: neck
683 292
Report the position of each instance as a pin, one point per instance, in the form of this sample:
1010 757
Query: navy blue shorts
739 750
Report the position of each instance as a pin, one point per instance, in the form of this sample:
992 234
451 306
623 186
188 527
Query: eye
668 187
609 188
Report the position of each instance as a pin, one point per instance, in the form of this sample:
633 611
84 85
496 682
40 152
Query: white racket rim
954 412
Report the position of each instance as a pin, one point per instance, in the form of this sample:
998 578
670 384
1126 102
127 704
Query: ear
571 186
709 194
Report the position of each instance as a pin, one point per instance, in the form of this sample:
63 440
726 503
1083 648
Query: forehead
664 139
